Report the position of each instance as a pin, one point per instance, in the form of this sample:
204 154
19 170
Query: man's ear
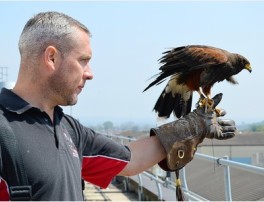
51 57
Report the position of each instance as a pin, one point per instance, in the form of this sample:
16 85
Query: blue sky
129 38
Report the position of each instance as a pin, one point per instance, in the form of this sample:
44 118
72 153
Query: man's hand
180 138
228 127
220 129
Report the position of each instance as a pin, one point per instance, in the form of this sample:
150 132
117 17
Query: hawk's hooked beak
248 67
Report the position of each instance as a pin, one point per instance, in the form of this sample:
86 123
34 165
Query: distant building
4 83
247 147
8 85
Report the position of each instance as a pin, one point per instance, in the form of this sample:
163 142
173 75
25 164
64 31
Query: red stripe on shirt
100 170
4 193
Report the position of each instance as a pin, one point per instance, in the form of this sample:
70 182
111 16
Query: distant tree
108 125
135 128
255 127
260 127
126 125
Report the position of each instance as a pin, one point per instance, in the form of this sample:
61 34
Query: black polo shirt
53 163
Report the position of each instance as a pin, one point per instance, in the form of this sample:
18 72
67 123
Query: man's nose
88 74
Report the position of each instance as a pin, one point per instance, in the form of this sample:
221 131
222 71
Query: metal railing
162 184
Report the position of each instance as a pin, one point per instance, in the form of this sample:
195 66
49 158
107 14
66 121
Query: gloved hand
180 138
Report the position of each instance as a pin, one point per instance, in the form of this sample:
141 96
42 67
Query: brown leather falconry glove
180 138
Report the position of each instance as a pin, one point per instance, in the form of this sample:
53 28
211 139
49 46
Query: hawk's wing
186 59
189 58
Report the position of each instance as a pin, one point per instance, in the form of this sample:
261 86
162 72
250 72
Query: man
56 150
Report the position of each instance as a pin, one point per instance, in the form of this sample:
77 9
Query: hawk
194 68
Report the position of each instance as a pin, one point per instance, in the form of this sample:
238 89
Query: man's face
73 71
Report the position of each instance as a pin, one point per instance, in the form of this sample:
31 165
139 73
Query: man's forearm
145 153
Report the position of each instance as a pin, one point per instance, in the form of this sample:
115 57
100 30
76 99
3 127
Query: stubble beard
61 90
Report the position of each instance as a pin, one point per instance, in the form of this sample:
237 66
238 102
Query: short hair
48 28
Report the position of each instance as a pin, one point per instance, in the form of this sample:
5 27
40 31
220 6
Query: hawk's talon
207 103
219 112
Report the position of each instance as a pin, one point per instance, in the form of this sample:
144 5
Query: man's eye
85 61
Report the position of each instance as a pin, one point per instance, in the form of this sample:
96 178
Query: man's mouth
80 88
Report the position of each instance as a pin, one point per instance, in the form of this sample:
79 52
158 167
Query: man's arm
174 144
145 153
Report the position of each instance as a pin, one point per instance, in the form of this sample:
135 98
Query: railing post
228 193
125 181
159 189
140 188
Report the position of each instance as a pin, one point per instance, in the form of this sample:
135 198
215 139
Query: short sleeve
103 159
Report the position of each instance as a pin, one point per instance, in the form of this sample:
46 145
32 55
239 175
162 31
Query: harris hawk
193 68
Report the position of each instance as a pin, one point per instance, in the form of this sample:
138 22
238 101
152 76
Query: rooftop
243 138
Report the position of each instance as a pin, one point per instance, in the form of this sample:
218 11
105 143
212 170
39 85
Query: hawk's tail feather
167 103
162 76
182 107
188 108
164 105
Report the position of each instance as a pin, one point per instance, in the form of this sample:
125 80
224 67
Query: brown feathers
190 68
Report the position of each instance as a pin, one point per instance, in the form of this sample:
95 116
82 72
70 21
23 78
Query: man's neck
37 100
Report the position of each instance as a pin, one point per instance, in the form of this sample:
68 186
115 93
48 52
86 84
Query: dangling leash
179 192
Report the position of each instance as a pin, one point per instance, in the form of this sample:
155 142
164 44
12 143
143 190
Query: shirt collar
12 102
